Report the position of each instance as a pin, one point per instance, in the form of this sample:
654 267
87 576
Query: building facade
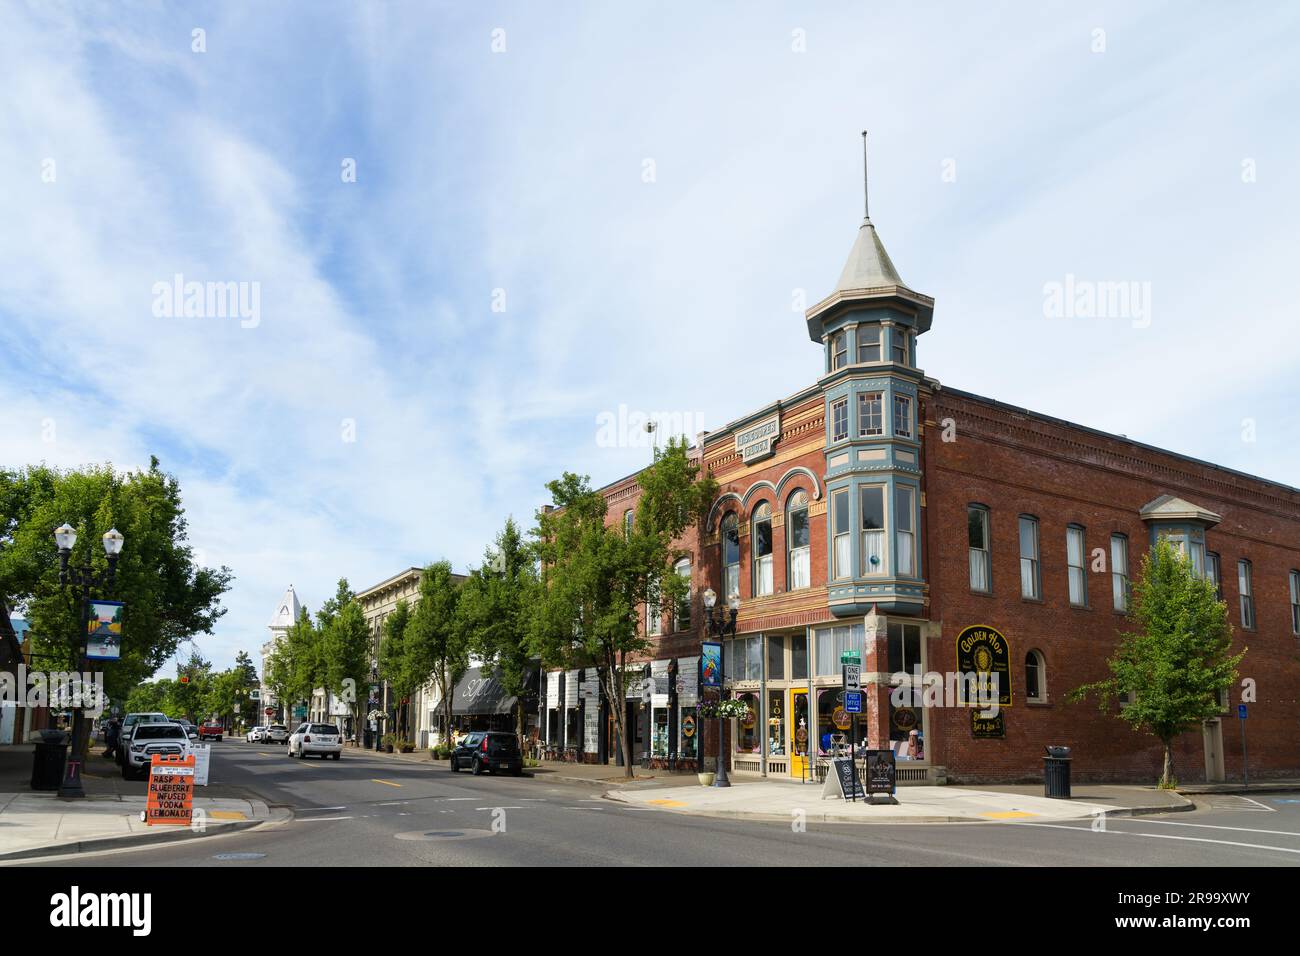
878 511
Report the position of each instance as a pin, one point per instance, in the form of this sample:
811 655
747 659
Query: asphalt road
372 810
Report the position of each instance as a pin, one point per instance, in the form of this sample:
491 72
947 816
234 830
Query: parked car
128 727
255 735
167 739
321 739
488 751
211 728
191 730
276 734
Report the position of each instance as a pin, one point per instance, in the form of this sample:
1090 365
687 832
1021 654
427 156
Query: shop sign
984 651
904 719
843 780
840 717
987 728
688 725
104 630
171 791
202 761
881 772
688 681
553 690
711 664
756 442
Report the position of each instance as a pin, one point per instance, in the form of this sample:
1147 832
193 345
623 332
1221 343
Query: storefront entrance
800 732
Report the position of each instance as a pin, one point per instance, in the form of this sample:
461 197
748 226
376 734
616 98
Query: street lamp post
85 578
720 623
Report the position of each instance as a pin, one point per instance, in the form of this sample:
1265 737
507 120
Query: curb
1241 791
135 839
833 817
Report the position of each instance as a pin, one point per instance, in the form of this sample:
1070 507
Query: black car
488 751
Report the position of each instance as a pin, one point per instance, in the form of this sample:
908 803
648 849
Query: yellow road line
386 783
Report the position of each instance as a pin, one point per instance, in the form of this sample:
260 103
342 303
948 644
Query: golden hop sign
984 652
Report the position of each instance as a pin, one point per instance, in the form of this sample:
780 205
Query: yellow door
801 734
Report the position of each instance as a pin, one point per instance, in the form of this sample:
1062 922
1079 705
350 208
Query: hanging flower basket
726 709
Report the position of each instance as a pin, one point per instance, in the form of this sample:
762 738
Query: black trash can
48 757
1056 773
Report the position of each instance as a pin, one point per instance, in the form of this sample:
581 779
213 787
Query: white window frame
1295 602
799 559
839 347
1040 668
1035 559
866 413
730 570
1246 593
836 405
905 536
763 576
841 538
979 558
877 536
1077 574
903 403
1121 589
868 343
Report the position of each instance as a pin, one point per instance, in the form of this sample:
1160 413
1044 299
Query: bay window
869 343
904 530
873 530
902 416
870 414
840 529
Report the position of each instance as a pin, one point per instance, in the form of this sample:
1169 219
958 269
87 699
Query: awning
480 692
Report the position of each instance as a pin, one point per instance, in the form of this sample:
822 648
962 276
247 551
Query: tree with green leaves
436 643
394 665
346 649
1176 663
493 611
595 578
192 688
169 597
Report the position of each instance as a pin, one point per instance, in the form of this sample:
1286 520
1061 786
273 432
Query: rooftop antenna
866 213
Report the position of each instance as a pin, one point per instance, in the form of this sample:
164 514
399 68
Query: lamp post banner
104 630
710 664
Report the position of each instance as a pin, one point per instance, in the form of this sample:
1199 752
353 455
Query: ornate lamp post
84 578
720 623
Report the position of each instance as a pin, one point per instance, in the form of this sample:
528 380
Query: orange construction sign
171 791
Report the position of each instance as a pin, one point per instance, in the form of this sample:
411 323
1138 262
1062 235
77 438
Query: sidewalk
781 800
37 824
40 824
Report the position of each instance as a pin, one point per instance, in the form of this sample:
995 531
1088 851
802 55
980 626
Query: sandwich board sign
842 781
171 791
881 773
202 761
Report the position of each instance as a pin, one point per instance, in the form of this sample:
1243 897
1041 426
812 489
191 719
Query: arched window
683 569
1035 677
798 538
730 556
762 535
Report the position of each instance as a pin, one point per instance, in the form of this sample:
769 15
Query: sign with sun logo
983 651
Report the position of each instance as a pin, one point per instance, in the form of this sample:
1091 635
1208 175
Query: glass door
800 732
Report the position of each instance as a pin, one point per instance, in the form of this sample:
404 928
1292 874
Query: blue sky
1012 145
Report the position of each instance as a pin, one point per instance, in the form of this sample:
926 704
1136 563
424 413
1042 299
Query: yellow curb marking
1008 815
226 815
387 783
667 803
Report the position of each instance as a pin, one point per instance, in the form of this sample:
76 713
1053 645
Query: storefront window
775 724
799 725
906 733
832 722
799 657
775 658
834 641
688 731
747 739
659 738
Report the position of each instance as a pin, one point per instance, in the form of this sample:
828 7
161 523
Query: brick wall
1017 463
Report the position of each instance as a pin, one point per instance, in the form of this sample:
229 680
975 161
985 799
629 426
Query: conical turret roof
288 610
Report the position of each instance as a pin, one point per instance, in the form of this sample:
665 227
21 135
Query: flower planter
706 779
388 748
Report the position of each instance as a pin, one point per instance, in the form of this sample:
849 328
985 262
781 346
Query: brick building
878 511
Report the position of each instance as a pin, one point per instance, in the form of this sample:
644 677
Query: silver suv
277 734
165 740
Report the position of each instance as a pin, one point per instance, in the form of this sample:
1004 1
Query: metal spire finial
866 211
